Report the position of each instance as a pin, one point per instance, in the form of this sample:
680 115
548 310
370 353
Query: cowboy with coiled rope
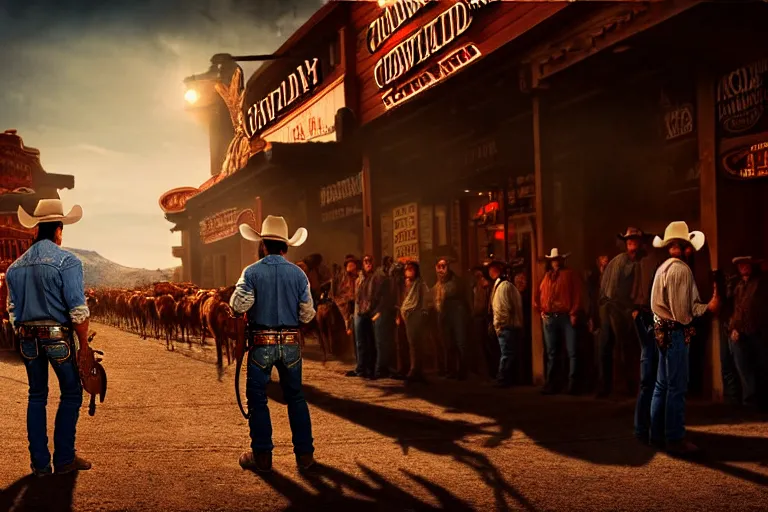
274 294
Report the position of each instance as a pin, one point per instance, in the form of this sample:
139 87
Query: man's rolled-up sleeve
306 311
74 292
244 295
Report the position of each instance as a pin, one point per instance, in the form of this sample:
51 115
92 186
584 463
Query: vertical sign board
386 235
405 232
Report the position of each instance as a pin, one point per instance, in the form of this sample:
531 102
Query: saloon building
281 143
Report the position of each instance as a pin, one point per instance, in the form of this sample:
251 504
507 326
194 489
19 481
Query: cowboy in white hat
559 303
47 306
747 326
675 304
274 294
620 292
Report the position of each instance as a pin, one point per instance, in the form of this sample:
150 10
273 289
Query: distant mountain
101 272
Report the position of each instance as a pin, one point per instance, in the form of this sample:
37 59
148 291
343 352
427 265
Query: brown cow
166 314
216 311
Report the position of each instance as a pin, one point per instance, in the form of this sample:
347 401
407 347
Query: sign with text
405 232
741 98
316 122
269 109
747 162
224 224
678 122
342 199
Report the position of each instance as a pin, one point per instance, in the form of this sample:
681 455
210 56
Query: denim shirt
274 292
46 283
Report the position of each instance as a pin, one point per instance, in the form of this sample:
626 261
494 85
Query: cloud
97 88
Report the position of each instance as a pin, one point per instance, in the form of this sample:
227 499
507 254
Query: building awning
306 162
9 203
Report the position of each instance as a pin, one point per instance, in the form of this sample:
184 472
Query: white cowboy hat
274 228
746 259
49 210
679 231
554 254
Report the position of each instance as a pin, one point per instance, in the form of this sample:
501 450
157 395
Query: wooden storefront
658 123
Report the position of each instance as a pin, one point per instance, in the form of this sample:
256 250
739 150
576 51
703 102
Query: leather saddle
95 382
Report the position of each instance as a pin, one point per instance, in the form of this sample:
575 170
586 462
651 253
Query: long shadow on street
51 493
339 491
410 429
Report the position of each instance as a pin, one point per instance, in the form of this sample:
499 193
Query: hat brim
631 237
558 257
298 238
746 259
695 238
30 221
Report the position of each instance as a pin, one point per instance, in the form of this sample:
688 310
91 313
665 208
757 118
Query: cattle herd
183 311
170 311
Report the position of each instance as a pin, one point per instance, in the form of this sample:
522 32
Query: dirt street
169 435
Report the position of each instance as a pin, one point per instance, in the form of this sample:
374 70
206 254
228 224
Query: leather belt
43 332
276 337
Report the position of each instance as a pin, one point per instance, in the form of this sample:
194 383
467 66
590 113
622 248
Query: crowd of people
598 326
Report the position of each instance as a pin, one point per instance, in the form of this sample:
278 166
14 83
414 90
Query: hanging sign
175 200
224 224
741 97
266 111
405 232
678 122
392 18
747 162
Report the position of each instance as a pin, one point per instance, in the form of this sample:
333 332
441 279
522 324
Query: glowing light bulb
191 96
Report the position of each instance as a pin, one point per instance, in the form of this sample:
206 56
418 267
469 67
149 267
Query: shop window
441 225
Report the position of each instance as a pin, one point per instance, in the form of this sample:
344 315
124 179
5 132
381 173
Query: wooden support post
367 207
537 268
705 110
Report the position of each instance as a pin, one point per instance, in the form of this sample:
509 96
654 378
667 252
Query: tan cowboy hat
554 254
49 210
274 228
678 230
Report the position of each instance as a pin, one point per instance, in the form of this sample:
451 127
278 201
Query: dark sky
96 85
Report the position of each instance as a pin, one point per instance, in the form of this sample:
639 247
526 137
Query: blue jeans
384 334
287 359
668 404
453 330
649 363
366 345
747 354
62 357
554 325
508 339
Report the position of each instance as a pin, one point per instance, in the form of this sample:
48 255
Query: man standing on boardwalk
275 295
675 303
47 306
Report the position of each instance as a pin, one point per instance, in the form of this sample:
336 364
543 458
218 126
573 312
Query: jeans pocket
263 357
291 355
29 349
57 351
